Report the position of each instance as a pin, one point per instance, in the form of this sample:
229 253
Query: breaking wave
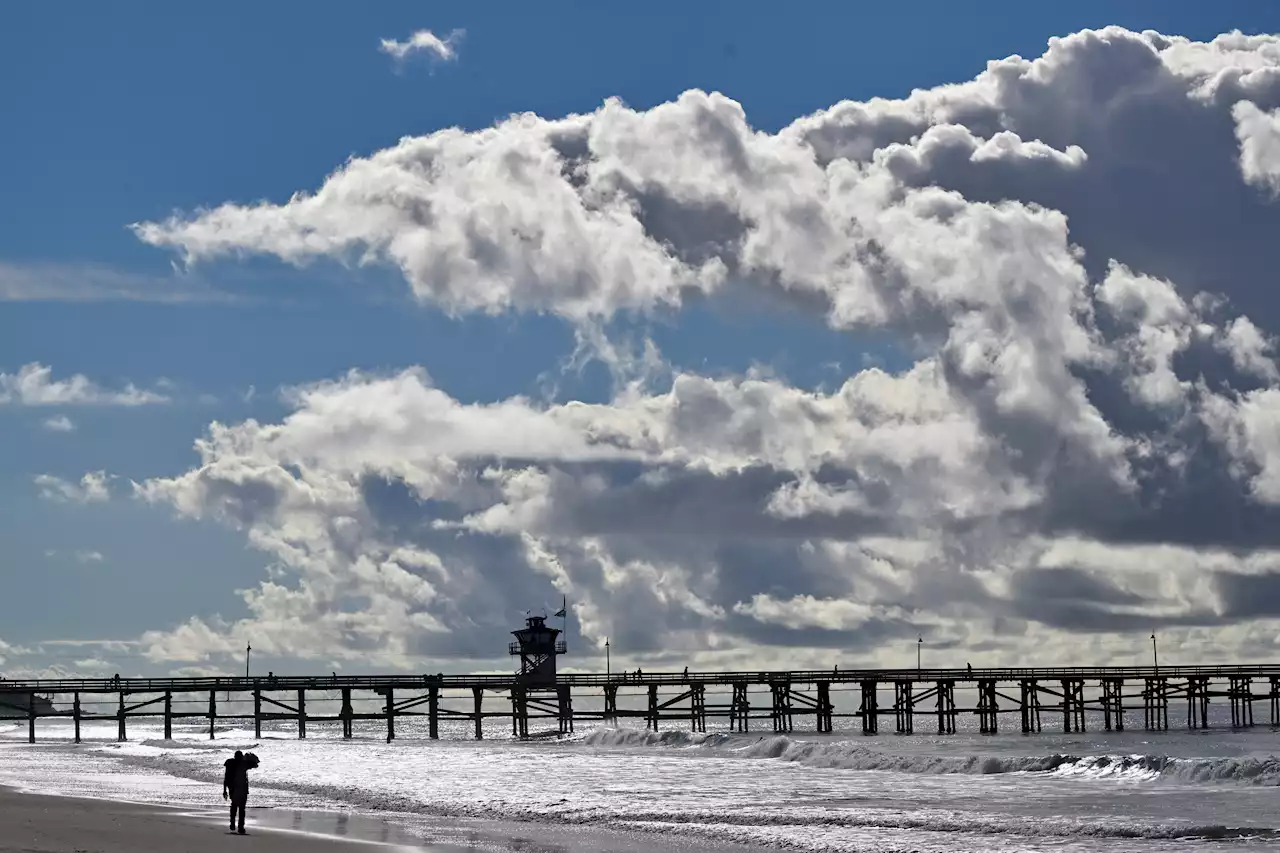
742 825
848 755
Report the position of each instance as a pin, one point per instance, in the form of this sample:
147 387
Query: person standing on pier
235 786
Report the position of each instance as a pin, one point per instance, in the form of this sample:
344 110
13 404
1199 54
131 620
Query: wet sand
37 823
42 823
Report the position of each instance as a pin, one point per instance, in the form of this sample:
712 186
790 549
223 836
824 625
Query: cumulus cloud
1259 135
58 423
34 385
1087 443
92 488
424 41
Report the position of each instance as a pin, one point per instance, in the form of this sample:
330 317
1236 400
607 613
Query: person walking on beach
235 786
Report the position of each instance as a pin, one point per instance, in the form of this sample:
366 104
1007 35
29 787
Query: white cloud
425 41
1081 407
58 423
87 557
92 488
1259 135
33 385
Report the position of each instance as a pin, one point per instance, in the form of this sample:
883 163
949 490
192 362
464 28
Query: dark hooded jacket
236 777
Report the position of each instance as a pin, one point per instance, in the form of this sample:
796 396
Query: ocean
628 789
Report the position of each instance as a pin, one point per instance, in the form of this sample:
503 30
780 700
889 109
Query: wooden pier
911 701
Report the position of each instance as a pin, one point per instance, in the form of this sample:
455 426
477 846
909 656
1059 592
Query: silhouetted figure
235 786
686 673
969 669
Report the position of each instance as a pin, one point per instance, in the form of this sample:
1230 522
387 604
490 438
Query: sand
35 823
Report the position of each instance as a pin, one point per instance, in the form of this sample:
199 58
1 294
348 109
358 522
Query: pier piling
903 707
825 711
698 707
739 708
988 708
870 710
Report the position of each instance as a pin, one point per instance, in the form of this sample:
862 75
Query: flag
564 606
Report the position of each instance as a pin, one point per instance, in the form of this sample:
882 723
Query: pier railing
503 681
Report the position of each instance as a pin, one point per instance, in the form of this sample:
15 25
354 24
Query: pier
537 701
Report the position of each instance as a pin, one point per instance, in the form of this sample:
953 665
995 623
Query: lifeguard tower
538 646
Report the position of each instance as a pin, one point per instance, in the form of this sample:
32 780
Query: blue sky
125 112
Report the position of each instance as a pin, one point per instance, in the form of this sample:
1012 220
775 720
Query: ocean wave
744 824
848 755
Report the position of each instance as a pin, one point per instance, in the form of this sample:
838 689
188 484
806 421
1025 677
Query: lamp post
608 670
919 644
1155 653
247 648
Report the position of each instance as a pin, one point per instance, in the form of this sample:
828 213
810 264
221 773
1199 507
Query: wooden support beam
213 712
870 710
433 713
75 713
168 715
1072 705
904 707
825 709
477 694
391 715
564 703
31 718
698 707
257 712
1155 698
988 708
740 708
946 707
1197 702
610 703
120 732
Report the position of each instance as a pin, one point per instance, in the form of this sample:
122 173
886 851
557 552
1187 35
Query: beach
40 823
625 790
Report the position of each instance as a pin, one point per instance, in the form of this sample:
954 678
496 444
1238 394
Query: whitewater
842 792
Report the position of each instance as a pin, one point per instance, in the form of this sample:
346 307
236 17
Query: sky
777 335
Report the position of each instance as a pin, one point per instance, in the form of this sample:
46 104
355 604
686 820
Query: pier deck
1064 698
